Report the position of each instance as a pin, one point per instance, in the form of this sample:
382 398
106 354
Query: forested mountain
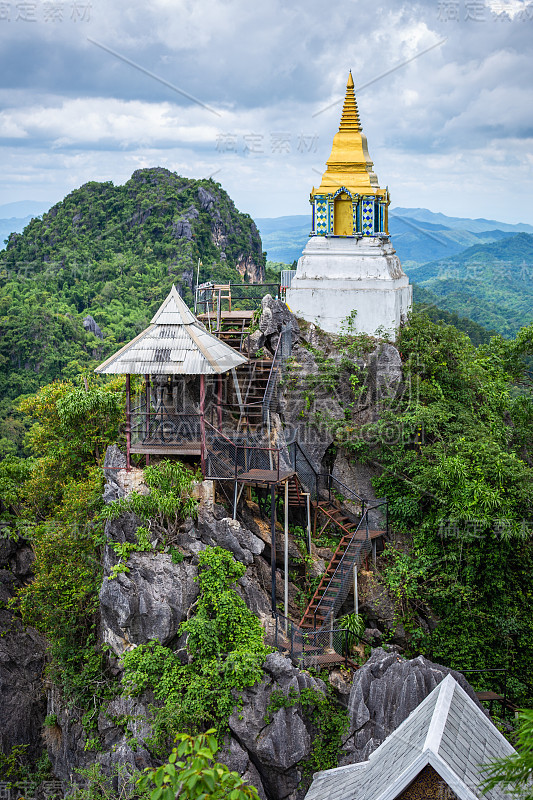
111 252
491 284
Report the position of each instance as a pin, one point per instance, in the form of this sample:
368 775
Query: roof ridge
187 316
440 714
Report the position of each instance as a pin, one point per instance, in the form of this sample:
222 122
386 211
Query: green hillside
491 284
111 252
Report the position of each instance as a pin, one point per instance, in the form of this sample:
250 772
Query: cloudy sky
250 93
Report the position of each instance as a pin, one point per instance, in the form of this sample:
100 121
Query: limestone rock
230 535
121 719
253 343
148 602
22 701
237 760
386 365
384 692
91 326
278 747
274 316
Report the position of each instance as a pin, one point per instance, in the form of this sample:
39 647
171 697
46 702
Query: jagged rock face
22 701
90 325
237 759
229 534
277 748
22 658
384 692
251 271
147 603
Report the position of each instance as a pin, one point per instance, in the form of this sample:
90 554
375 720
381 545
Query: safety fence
308 648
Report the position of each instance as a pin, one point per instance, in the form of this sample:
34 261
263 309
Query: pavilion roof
447 731
175 343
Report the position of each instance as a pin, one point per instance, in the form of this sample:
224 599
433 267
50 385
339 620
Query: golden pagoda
348 201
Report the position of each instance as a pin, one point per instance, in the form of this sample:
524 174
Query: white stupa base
338 275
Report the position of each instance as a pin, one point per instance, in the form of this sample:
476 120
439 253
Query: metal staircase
336 582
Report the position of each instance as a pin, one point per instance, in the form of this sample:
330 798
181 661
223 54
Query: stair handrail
346 573
332 479
341 565
296 444
272 377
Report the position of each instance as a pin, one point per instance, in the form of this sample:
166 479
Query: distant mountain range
491 284
418 235
15 216
476 268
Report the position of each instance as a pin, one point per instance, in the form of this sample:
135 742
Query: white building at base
349 264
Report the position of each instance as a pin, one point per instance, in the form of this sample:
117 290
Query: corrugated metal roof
174 344
447 730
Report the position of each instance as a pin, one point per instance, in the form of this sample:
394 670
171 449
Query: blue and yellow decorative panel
367 216
321 217
331 207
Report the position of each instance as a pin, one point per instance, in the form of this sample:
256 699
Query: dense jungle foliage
454 453
453 450
111 252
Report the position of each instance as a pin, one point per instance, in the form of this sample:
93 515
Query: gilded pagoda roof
349 165
175 343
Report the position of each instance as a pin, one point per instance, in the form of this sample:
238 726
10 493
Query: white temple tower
349 263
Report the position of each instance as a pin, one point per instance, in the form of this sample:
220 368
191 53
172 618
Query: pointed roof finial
350 114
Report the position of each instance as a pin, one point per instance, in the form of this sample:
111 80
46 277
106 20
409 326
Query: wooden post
128 423
202 423
286 555
273 544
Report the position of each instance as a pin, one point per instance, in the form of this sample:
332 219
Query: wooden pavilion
176 350
180 413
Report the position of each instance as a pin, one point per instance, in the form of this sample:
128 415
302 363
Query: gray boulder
229 534
91 326
148 602
384 692
279 747
274 317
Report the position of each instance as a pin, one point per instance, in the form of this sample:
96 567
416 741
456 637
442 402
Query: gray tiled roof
174 344
447 730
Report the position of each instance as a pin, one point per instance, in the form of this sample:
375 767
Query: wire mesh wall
239 457
164 427
308 648
277 370
301 464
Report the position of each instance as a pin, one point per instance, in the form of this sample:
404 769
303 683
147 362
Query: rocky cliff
270 749
273 735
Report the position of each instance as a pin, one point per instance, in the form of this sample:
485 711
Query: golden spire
350 114
349 164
